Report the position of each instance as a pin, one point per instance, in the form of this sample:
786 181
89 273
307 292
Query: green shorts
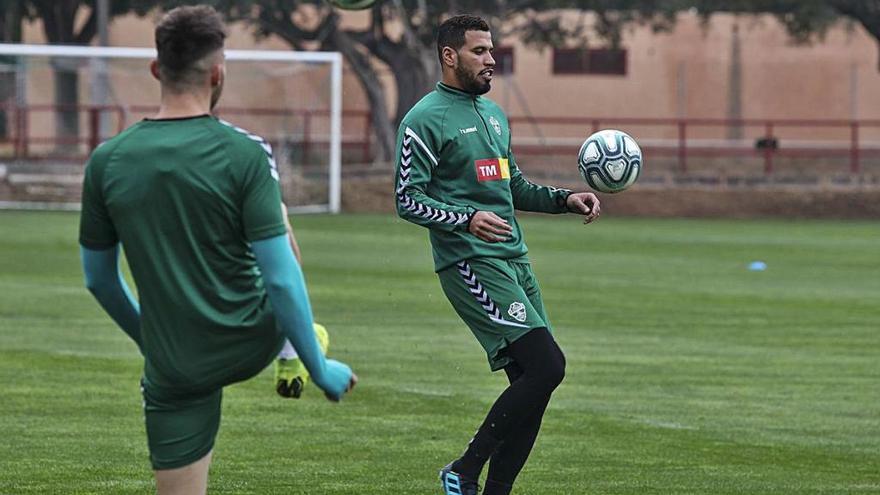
498 299
180 429
182 418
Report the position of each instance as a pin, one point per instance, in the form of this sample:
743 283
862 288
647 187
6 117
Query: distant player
456 176
196 204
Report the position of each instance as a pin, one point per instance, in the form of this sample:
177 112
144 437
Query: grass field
687 373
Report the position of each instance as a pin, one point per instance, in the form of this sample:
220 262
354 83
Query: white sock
288 352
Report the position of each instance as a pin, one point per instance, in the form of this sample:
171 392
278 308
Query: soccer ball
352 4
610 161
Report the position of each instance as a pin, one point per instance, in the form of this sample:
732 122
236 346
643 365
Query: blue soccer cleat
453 483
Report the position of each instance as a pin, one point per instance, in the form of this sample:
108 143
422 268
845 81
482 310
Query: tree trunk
67 99
414 65
59 25
383 128
413 68
7 92
10 32
414 79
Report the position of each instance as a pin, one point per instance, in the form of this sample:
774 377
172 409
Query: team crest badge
518 311
495 124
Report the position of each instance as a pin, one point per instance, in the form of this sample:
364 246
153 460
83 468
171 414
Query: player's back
177 192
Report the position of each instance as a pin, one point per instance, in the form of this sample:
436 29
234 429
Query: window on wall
503 56
598 61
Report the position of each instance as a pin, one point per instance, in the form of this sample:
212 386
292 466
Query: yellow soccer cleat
291 375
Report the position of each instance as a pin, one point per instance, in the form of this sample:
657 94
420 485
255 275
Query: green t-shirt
454 159
186 197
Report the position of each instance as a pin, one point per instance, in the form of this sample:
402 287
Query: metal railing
23 135
682 140
768 143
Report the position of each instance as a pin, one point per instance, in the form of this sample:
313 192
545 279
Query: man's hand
585 203
489 227
351 383
337 380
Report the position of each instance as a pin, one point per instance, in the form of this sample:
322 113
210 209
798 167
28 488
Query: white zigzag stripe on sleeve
405 200
263 144
411 133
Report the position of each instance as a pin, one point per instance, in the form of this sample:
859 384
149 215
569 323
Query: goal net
57 103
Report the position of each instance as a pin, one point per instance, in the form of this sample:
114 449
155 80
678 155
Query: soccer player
456 176
195 202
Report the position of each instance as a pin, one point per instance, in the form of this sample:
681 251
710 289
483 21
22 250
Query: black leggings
511 427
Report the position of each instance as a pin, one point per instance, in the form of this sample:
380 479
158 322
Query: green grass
687 373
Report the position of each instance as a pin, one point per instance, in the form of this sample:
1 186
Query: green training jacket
186 198
454 159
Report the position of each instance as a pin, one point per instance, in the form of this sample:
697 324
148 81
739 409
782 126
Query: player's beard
470 82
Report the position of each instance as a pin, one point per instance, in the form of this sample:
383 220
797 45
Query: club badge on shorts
517 310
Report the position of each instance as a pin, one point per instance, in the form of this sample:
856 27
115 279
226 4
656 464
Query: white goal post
285 73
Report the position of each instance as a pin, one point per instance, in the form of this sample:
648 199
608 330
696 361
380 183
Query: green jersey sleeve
418 145
533 197
96 229
261 196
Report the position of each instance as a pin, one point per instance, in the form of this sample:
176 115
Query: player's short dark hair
185 36
451 32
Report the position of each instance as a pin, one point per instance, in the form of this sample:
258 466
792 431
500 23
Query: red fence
24 135
682 140
20 119
767 141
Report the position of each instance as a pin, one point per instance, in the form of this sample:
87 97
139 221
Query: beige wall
133 31
779 79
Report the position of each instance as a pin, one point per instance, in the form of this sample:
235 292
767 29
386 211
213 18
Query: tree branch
409 36
866 13
88 30
280 24
50 23
366 74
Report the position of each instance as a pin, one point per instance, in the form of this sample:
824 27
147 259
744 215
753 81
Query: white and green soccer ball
352 4
610 161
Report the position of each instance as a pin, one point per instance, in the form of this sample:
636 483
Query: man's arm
293 244
534 197
547 199
287 292
416 160
105 282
